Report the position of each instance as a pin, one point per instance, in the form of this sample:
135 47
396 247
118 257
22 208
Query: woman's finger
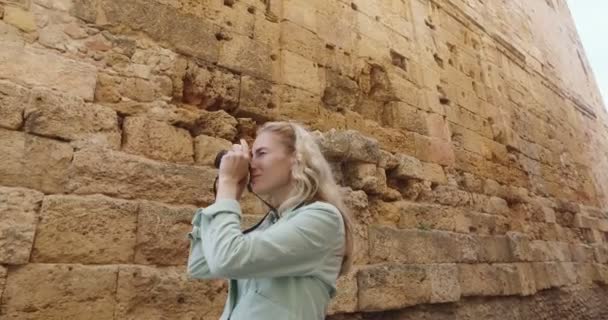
245 146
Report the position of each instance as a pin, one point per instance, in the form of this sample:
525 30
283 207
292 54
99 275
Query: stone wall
469 136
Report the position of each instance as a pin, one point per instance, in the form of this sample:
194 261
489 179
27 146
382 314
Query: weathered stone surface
189 34
146 292
365 176
300 72
162 234
205 86
156 140
217 124
2 280
346 299
411 167
60 291
85 229
121 175
13 99
389 286
44 162
349 145
19 215
432 216
206 149
417 246
37 67
496 279
69 118
20 18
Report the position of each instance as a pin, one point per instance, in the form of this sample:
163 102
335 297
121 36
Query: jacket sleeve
296 247
197 263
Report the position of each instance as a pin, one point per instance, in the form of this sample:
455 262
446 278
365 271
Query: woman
287 267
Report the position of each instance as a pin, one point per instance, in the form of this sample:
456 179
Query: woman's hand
234 172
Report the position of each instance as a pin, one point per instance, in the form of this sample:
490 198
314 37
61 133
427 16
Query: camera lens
218 158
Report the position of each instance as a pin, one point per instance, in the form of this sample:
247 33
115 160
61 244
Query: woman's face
271 164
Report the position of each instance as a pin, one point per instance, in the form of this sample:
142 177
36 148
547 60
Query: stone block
126 176
388 286
432 216
487 224
70 118
206 149
60 291
521 248
434 150
20 18
301 72
34 162
301 41
161 234
89 230
258 98
349 145
18 216
346 299
3 272
157 140
365 176
150 292
496 279
37 67
247 56
401 115
418 246
218 124
600 252
582 253
188 33
13 99
495 249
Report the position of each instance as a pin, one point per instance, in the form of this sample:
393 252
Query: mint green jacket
283 270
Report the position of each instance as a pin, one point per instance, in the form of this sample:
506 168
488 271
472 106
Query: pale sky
591 19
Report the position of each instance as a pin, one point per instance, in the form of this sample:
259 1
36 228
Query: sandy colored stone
37 67
20 18
86 229
162 234
60 291
247 56
216 124
346 299
156 293
206 149
43 161
388 286
419 246
496 279
349 145
434 150
156 140
365 176
13 100
205 86
400 115
432 216
258 98
2 280
70 118
19 215
118 174
187 33
300 72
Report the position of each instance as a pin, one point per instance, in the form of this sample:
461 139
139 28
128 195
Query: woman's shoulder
320 205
